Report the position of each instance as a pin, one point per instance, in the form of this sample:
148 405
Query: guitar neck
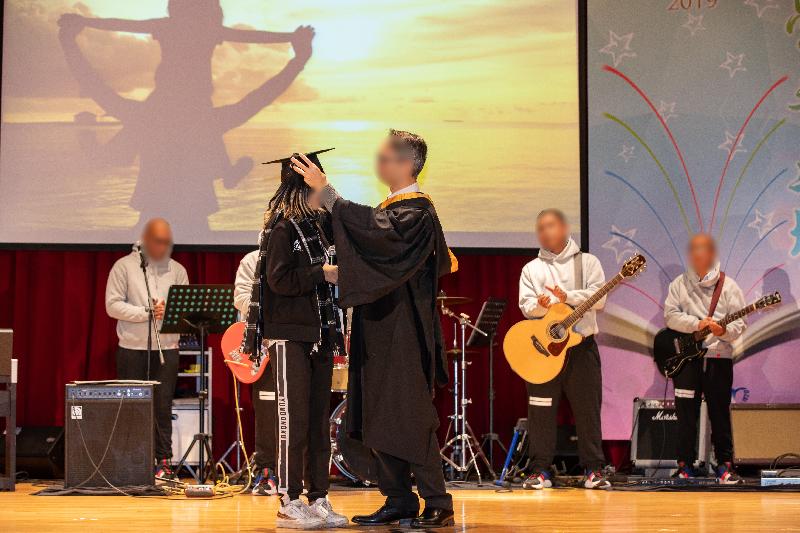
581 310
744 311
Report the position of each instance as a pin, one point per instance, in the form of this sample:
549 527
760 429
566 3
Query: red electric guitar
243 367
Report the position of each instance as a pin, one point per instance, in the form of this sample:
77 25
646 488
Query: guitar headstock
768 300
633 266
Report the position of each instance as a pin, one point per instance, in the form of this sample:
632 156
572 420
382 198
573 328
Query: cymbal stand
464 441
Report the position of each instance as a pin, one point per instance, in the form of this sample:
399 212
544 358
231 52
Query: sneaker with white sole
295 514
265 484
596 480
684 471
323 509
537 481
726 475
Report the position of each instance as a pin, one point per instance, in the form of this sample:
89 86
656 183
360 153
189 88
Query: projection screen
113 112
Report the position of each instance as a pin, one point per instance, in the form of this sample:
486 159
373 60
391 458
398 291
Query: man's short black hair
558 213
411 146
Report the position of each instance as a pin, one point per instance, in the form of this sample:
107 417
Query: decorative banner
694 125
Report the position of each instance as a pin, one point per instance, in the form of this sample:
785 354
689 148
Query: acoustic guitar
537 348
672 349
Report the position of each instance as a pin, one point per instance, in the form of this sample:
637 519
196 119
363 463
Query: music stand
199 309
488 319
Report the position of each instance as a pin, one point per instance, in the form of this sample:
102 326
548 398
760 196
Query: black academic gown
390 259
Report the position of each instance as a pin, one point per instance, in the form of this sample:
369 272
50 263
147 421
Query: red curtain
54 302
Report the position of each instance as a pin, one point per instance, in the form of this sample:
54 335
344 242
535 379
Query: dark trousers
133 364
712 379
303 393
582 383
394 480
265 415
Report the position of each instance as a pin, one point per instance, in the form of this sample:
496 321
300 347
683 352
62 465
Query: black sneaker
537 481
726 475
164 469
684 471
265 484
595 479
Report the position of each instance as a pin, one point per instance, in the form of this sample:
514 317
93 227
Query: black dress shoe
432 517
386 515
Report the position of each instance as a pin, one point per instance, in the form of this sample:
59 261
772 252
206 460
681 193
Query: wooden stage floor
476 510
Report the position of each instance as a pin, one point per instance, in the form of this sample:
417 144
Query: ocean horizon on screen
473 188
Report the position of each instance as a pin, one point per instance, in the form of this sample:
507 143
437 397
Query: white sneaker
295 514
322 508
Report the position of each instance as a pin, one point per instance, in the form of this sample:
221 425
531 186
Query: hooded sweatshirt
549 270
243 286
688 301
126 298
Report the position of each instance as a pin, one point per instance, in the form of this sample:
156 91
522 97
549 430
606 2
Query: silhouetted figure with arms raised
176 131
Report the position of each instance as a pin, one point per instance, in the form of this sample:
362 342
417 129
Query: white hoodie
243 286
688 301
549 270
126 298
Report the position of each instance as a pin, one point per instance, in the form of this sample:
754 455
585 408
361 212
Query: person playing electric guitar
697 299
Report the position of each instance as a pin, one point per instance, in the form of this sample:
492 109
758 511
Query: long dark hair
291 200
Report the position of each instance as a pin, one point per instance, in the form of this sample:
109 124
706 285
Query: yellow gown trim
410 196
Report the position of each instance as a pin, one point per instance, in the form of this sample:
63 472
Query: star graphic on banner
621 247
627 153
761 222
761 5
618 47
728 144
693 23
667 110
733 63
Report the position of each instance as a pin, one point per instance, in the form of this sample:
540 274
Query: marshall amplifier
655 434
108 435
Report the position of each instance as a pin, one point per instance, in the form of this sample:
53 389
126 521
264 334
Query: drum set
462 452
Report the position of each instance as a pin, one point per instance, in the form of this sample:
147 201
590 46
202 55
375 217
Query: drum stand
464 443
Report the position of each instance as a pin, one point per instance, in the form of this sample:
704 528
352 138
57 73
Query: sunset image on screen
113 112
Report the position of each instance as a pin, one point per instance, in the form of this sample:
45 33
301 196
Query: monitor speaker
762 432
109 435
40 451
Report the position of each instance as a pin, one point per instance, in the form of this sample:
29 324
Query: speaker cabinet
762 432
40 451
109 435
6 351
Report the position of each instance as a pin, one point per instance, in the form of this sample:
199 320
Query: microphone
138 247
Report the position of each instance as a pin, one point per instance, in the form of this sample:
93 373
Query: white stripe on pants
281 393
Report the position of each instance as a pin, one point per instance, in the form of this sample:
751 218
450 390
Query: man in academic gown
390 259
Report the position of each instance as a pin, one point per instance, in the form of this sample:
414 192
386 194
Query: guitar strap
578 276
716 294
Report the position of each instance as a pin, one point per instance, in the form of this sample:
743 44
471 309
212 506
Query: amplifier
108 435
655 434
762 432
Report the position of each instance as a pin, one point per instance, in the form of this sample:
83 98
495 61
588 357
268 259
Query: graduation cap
288 173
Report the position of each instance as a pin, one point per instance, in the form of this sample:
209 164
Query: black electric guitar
672 349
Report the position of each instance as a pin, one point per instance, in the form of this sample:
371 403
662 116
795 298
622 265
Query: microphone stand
151 319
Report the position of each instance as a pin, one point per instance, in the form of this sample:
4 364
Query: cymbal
452 300
456 352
